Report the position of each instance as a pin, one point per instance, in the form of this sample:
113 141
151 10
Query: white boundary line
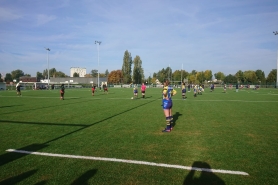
131 162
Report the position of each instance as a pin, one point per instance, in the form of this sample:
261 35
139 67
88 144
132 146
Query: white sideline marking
130 161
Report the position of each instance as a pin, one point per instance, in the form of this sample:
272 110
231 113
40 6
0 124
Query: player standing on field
167 105
143 90
62 92
135 92
93 90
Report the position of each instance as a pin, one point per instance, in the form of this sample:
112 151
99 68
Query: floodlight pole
98 43
47 66
276 33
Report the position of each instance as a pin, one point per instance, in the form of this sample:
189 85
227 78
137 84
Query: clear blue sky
219 35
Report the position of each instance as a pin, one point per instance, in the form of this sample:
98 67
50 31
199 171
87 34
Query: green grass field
229 132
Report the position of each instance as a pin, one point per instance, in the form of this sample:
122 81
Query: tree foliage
164 74
180 75
272 76
16 74
126 67
115 77
230 79
240 77
8 78
260 76
250 76
208 75
75 74
106 73
94 72
138 72
219 76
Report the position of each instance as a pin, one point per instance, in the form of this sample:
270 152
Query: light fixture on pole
276 33
47 66
98 43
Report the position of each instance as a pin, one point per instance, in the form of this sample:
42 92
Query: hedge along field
218 138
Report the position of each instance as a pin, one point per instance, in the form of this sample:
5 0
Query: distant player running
18 92
105 89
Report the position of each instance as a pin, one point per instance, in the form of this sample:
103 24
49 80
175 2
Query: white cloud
43 19
7 14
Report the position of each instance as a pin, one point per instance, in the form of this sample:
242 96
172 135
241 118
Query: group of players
104 87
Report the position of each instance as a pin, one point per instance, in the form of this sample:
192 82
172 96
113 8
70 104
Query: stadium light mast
276 33
47 50
98 43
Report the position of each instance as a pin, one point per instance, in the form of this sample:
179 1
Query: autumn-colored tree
115 77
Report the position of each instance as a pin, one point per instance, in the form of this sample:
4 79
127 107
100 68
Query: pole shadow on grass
12 156
18 178
201 174
83 179
27 110
87 126
9 106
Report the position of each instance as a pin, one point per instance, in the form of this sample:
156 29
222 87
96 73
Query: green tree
271 78
219 76
16 74
106 73
8 78
60 74
75 74
250 77
52 72
39 76
200 76
260 75
240 77
230 79
126 67
94 72
45 73
138 72
180 75
208 75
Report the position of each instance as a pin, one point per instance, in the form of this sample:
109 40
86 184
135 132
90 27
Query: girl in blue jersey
167 104
183 90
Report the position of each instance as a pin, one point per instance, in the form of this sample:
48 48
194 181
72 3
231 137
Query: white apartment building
78 70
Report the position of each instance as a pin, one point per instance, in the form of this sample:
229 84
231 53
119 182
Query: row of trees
135 75
126 75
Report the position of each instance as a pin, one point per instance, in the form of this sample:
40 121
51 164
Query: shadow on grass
62 105
18 178
11 156
83 179
87 126
9 106
41 123
206 177
175 118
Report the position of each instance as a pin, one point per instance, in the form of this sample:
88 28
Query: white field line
131 162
